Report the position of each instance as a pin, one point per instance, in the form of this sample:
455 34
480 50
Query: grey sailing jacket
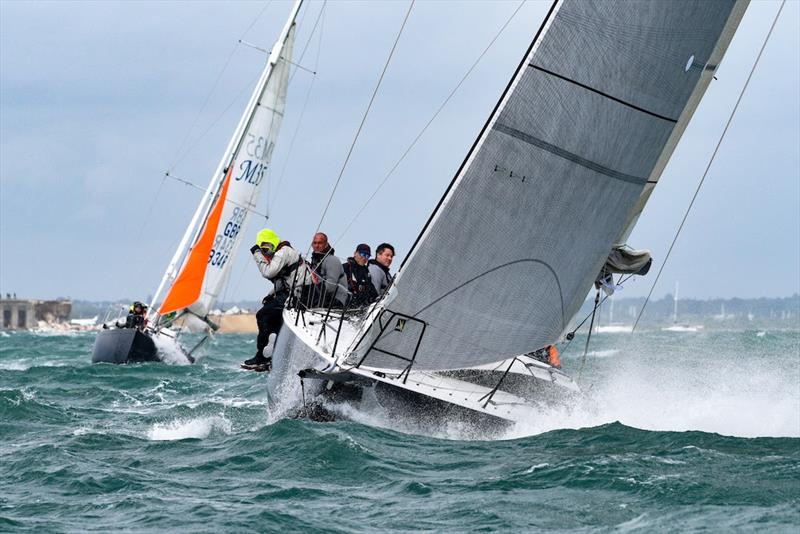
281 269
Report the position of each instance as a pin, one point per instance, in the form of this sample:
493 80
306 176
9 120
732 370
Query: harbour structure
25 314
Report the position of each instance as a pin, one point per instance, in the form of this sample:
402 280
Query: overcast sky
96 100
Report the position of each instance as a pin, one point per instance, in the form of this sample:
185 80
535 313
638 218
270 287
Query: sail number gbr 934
223 242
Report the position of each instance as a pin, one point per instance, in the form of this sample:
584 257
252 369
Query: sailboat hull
429 396
124 345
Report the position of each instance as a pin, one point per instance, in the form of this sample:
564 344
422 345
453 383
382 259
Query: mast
229 155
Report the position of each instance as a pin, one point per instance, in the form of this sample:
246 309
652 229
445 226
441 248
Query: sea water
674 432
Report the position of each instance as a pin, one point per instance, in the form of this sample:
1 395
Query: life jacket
297 274
360 282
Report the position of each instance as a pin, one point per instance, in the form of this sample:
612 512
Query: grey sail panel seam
474 146
605 95
565 154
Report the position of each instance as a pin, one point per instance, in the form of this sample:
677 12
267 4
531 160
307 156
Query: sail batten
509 254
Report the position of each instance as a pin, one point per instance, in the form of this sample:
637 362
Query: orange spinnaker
186 289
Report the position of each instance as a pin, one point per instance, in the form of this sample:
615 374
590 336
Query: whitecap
196 428
533 468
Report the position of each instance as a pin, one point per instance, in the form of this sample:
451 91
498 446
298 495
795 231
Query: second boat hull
124 345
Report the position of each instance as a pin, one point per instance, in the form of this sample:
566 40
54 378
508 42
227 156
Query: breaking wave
196 428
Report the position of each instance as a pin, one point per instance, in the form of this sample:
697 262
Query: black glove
254 248
266 300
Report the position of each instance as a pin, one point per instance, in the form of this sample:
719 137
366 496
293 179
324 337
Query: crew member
136 316
278 262
362 290
329 268
379 267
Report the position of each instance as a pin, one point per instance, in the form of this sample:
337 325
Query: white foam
603 353
170 351
533 468
741 399
284 389
196 428
15 365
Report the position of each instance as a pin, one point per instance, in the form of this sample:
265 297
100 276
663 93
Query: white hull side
298 349
290 356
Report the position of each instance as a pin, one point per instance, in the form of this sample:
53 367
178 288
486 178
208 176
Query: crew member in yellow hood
277 261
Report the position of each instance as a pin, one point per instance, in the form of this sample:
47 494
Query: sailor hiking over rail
282 265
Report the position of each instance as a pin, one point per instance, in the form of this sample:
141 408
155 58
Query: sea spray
170 351
707 382
196 428
286 392
188 448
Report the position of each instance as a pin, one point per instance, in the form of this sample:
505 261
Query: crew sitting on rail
279 263
136 316
329 268
379 267
362 290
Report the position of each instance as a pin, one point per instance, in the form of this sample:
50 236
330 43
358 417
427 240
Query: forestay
589 118
207 265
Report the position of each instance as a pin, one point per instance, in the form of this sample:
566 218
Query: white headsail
216 231
558 174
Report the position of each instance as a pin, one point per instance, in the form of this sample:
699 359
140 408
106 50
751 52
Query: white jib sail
238 180
250 168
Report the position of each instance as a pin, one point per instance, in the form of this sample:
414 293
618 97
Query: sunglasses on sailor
364 254
267 248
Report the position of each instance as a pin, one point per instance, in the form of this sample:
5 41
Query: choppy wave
667 435
196 428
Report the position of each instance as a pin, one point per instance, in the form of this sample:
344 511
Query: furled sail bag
622 260
625 260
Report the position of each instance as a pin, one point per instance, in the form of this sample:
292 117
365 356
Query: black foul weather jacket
359 282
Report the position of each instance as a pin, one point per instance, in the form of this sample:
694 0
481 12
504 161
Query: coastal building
25 314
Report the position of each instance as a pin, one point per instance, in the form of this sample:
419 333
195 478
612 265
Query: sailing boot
258 363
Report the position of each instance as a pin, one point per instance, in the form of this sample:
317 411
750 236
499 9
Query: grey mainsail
556 177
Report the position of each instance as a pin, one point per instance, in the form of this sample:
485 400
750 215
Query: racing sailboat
548 193
200 268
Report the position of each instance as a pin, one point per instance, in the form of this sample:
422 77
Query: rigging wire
710 162
571 335
138 239
308 41
178 158
318 22
589 336
245 87
179 154
427 125
364 118
227 200
320 17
